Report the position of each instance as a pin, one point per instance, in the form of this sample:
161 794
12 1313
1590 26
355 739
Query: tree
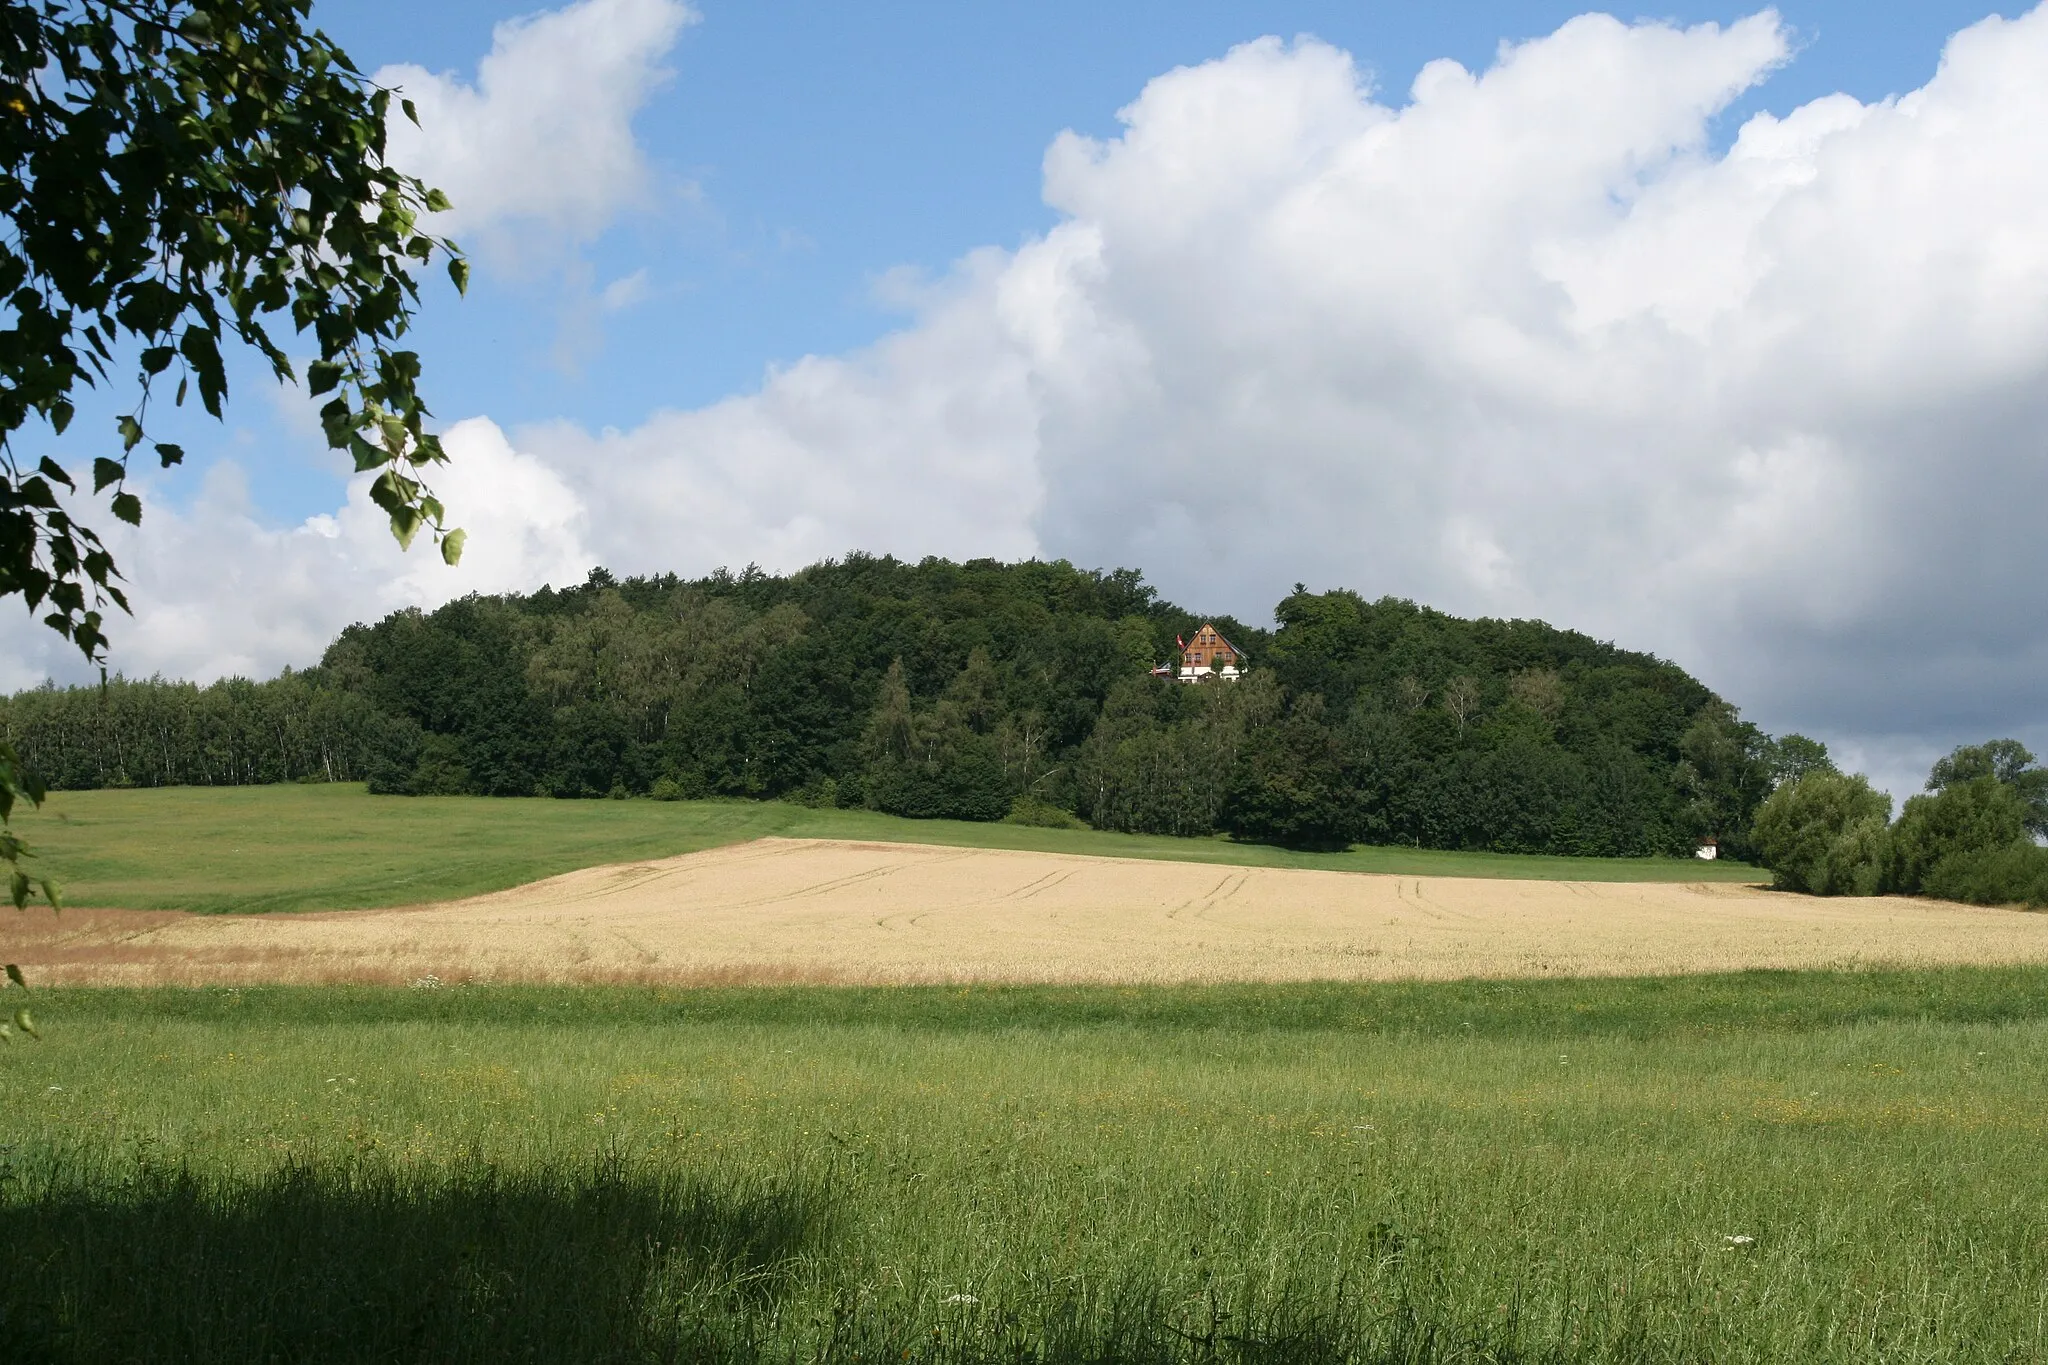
1414 696
1792 757
2005 760
1946 839
1724 769
1824 833
1461 699
174 173
1286 785
1539 689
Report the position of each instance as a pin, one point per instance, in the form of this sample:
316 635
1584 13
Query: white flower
960 1298
1737 1241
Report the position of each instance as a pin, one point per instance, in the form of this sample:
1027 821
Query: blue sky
806 149
1677 329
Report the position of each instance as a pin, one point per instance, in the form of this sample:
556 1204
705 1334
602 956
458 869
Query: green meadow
1764 1167
333 846
1757 1167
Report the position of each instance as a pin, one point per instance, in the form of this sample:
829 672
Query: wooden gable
1208 649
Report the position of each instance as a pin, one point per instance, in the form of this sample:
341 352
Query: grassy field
1766 1167
335 847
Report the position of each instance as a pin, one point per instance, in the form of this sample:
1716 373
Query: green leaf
131 432
405 524
60 416
24 1021
437 202
201 350
169 453
49 468
6 1035
336 420
451 547
411 113
128 508
106 471
157 359
458 271
322 376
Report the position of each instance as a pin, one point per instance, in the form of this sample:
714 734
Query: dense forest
974 691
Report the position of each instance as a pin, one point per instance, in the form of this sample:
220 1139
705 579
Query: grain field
807 910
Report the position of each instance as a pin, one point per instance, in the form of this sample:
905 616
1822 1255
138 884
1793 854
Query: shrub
2015 873
1978 815
1825 833
665 789
442 769
818 794
967 783
393 755
1032 810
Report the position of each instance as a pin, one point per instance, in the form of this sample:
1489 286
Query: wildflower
1737 1242
960 1298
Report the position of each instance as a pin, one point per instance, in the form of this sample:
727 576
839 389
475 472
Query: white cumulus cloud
541 143
218 593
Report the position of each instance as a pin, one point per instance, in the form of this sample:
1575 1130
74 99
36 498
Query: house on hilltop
1209 655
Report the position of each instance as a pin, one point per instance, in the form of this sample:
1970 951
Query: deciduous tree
176 175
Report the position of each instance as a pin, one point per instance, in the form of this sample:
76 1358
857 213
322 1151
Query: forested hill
972 691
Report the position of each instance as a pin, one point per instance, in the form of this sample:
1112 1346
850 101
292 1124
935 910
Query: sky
1722 334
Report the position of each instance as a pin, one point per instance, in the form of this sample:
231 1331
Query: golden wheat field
807 910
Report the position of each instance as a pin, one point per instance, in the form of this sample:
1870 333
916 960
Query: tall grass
1555 1171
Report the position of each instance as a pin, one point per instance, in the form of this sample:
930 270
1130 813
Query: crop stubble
809 910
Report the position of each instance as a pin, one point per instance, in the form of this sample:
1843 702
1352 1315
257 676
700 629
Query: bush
1030 810
2016 873
966 784
394 753
1980 815
1825 833
818 794
665 789
443 769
